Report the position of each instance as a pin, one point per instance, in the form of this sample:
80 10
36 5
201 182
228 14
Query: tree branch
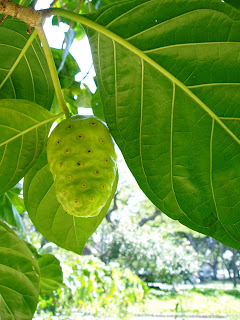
152 217
27 14
192 241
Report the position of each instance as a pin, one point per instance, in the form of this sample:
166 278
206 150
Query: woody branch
29 15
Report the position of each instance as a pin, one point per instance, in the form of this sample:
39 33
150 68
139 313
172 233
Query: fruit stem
52 69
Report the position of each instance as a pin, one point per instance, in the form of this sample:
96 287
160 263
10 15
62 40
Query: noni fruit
82 159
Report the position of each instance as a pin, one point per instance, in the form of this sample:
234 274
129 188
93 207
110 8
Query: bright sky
80 50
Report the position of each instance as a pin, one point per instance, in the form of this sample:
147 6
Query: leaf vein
211 182
191 44
29 129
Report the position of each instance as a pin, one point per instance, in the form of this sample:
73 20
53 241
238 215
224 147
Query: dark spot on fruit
89 151
91 199
84 184
69 177
80 137
106 160
96 171
93 123
101 141
80 164
69 127
68 151
58 142
64 193
60 165
76 201
103 186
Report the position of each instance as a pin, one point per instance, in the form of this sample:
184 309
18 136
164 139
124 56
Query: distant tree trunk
223 265
227 267
214 268
102 249
86 251
234 268
192 241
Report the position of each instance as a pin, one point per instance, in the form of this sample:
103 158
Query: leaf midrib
101 29
39 124
21 55
8 308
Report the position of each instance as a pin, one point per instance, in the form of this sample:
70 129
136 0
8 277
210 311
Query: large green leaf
16 199
169 78
9 213
47 214
19 277
51 276
29 78
234 3
24 128
51 273
11 205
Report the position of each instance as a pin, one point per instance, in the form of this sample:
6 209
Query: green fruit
82 160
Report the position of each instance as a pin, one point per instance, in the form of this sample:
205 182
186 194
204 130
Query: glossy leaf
14 196
11 205
24 128
19 277
84 97
51 276
51 273
8 212
97 106
69 69
47 214
101 3
30 78
169 78
234 3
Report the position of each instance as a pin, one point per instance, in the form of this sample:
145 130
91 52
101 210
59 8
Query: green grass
195 301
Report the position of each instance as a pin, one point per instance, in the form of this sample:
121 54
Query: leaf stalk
53 71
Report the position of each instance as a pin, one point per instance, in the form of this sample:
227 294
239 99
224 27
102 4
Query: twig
78 7
53 3
152 217
87 73
89 6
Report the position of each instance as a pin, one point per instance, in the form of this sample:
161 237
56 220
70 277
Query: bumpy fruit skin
82 160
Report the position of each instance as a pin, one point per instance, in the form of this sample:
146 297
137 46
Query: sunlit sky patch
80 50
